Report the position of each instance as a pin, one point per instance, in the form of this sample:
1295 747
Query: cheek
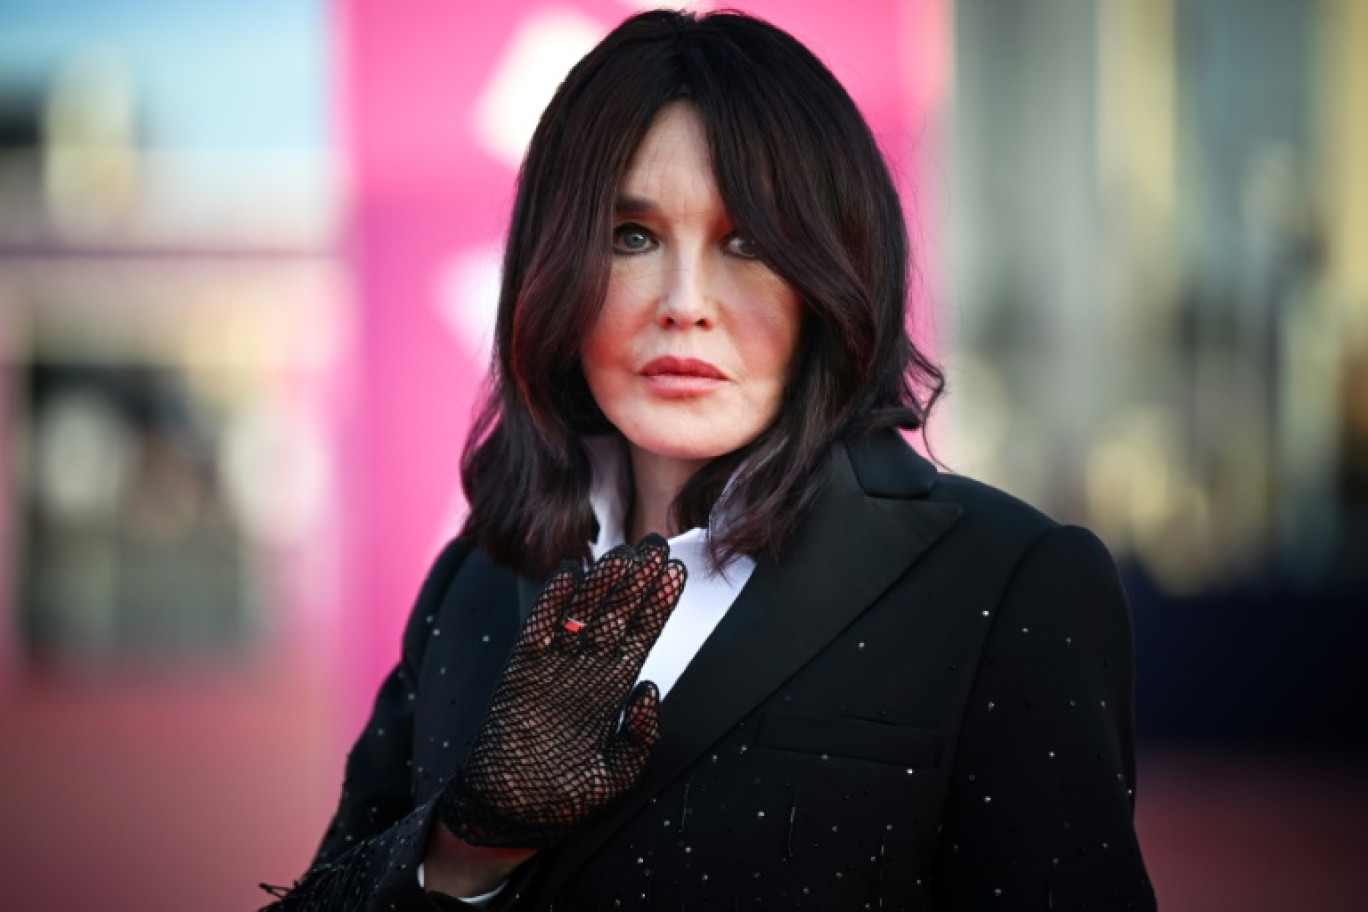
776 337
605 343
591 353
616 326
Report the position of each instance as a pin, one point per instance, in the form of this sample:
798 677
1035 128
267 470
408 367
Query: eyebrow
627 204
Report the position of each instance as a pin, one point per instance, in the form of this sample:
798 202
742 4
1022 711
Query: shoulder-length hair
797 166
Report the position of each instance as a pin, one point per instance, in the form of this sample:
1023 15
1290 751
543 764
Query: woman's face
696 338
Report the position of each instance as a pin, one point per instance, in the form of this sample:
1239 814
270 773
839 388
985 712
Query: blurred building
1157 321
171 316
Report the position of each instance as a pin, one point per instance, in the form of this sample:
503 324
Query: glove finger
653 544
655 609
549 609
627 751
601 578
615 612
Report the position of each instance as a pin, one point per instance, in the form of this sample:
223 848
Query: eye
743 246
631 238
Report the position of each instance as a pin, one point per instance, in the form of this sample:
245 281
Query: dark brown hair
797 166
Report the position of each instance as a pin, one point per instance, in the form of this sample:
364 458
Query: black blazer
925 703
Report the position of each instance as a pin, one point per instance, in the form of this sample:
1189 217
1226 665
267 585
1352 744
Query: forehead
673 156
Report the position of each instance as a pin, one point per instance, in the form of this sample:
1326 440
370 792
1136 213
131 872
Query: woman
846 681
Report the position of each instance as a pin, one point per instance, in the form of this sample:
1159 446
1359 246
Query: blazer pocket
859 738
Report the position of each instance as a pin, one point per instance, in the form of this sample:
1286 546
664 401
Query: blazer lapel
846 553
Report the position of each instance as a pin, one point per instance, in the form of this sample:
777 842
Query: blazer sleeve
1039 814
369 854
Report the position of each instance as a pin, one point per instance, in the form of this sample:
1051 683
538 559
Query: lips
669 377
670 366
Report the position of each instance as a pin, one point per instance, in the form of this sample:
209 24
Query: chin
689 444
683 451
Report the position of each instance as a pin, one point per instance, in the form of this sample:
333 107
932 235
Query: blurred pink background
248 266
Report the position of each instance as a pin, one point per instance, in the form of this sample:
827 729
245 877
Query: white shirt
707 595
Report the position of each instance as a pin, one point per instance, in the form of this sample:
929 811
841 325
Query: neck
656 482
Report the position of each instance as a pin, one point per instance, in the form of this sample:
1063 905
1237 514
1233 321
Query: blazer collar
869 523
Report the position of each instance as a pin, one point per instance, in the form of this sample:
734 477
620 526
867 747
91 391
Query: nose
687 296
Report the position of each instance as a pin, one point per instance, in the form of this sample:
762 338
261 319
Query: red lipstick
681 367
681 378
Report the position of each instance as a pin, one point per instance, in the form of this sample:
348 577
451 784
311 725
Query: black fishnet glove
551 752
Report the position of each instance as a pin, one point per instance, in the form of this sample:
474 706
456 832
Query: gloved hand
551 752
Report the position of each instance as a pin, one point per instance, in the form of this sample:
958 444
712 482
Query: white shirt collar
610 492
